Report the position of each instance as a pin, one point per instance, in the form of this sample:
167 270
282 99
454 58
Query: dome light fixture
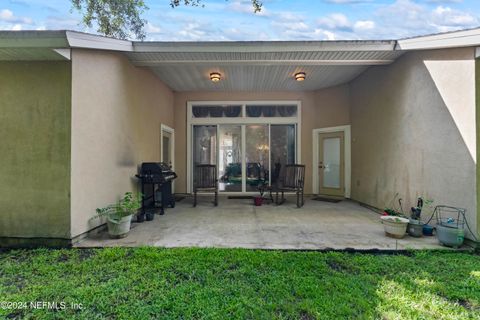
300 76
215 76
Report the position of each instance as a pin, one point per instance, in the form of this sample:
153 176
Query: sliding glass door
250 143
243 164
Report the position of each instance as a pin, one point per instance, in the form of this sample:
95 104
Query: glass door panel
204 145
282 147
257 154
331 163
166 147
230 158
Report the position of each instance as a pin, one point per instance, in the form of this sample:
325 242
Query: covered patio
373 121
237 223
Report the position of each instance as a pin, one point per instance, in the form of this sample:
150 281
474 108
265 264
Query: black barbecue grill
156 179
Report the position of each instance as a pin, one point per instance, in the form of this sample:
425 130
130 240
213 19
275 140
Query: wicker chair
293 182
205 180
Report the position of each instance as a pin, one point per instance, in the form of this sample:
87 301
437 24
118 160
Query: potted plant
119 215
394 223
415 226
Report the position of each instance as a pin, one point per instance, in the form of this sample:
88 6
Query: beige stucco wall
413 131
324 108
35 150
477 117
117 110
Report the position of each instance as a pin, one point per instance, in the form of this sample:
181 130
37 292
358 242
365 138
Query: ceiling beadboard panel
258 71
255 78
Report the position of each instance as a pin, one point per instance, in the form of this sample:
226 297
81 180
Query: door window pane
230 158
331 162
256 155
166 147
282 144
166 150
204 146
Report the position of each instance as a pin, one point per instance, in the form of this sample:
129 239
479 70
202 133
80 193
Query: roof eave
456 39
33 39
264 46
90 41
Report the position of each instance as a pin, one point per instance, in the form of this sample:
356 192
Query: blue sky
279 20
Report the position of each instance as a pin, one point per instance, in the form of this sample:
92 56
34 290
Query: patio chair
273 186
205 180
293 182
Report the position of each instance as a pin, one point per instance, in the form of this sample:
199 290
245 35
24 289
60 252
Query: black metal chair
293 182
273 186
205 180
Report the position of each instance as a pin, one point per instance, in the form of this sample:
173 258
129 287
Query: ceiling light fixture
300 76
215 76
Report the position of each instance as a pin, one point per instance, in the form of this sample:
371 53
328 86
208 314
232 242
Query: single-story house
372 120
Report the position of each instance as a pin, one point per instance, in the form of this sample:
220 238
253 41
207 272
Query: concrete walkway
238 224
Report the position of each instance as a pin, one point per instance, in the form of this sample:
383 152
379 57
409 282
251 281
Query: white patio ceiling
260 66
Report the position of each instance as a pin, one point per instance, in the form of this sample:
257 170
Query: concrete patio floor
238 224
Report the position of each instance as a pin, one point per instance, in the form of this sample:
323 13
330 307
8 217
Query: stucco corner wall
323 108
477 116
35 149
117 111
414 131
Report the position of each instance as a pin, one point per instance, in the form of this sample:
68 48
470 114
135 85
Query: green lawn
151 283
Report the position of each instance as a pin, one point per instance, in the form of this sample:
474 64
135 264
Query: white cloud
447 17
348 1
151 28
57 22
329 35
296 26
405 18
245 6
400 19
8 16
336 21
444 1
362 25
289 23
17 27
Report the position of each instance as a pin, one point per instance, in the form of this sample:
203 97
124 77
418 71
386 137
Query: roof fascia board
153 63
33 39
261 46
90 41
457 39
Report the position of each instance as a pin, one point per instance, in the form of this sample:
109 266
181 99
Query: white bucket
119 228
395 227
